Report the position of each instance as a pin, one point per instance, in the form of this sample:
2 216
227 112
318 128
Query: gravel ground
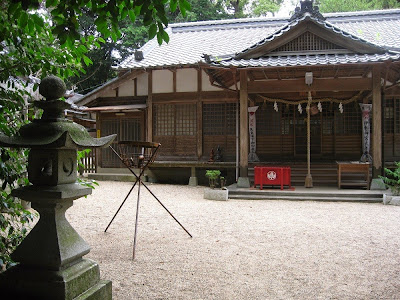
241 249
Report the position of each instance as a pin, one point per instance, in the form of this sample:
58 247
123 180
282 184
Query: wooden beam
376 122
135 86
205 95
244 131
174 80
393 91
199 116
149 118
299 85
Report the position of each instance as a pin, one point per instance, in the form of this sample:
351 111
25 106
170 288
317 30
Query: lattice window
268 120
396 115
389 115
307 42
287 118
348 122
219 119
186 119
174 119
327 118
130 130
164 119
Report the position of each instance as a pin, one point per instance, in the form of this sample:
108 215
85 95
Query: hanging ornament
319 106
264 106
341 107
276 107
300 109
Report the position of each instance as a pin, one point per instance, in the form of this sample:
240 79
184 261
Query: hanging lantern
341 107
314 109
319 106
276 107
300 109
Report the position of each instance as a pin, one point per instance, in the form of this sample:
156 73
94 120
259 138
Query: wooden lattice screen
219 127
128 127
175 127
392 129
307 42
348 122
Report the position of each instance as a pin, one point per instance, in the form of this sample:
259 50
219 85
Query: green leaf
23 19
114 36
165 36
39 23
87 60
51 3
173 4
152 31
132 15
82 49
159 38
31 26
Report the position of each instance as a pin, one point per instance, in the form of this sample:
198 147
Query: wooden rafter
298 85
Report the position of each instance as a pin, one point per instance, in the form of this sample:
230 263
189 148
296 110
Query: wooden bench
353 168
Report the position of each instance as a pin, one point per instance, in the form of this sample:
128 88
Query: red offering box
272 176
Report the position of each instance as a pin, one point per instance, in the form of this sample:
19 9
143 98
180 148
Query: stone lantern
50 263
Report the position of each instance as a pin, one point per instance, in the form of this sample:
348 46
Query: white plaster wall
142 84
162 81
126 89
205 83
186 80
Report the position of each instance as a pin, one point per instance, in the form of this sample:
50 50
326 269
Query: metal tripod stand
139 155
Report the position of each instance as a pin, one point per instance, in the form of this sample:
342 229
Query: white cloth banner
252 134
366 126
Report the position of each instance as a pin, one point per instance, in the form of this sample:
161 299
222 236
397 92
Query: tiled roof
322 23
306 60
189 41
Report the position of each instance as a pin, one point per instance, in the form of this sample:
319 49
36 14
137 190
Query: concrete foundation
377 184
243 182
216 194
193 181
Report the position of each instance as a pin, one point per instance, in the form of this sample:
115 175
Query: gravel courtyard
240 249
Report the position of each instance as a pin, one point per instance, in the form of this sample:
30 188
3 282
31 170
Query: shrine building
251 87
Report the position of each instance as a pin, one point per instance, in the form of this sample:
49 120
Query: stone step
307 198
111 177
311 193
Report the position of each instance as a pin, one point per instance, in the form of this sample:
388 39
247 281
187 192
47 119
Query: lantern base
79 280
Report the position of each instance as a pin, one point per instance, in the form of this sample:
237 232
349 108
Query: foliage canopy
38 38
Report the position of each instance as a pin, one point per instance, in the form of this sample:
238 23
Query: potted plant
213 176
392 181
223 181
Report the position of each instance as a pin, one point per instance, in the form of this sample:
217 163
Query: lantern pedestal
50 257
50 263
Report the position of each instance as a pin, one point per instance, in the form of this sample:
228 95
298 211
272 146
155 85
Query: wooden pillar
244 124
149 121
199 110
376 122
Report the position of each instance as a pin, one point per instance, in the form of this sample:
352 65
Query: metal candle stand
139 155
